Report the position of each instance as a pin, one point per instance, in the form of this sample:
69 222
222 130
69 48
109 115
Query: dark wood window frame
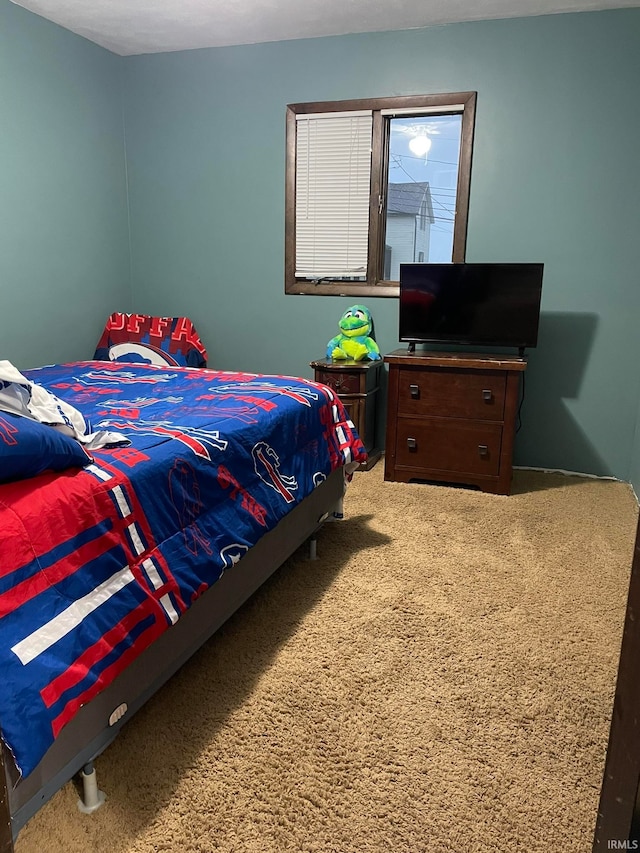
463 103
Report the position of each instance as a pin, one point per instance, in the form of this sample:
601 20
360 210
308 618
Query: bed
116 564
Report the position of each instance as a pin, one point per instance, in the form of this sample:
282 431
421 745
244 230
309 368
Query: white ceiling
129 27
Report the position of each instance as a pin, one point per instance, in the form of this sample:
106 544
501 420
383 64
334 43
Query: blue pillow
28 448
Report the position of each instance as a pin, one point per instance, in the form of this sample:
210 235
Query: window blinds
333 179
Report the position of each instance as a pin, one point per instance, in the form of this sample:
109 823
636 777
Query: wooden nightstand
356 383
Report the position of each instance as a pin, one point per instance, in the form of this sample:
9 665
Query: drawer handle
414 390
483 450
487 395
412 444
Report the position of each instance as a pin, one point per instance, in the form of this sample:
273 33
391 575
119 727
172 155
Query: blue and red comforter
95 563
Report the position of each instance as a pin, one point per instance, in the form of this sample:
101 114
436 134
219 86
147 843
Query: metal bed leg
337 514
92 798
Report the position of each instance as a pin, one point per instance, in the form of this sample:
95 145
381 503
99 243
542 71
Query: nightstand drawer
451 393
432 444
356 411
342 383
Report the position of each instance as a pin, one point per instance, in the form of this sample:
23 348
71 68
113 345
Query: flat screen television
471 304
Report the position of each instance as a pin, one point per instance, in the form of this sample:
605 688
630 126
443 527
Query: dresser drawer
342 383
451 393
432 444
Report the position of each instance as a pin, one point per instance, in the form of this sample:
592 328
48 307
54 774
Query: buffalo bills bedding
100 558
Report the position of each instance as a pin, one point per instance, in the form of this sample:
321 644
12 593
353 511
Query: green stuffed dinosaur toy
355 340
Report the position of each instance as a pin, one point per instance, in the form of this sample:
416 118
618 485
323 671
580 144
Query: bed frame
90 732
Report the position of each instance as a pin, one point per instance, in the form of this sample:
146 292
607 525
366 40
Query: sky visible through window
410 162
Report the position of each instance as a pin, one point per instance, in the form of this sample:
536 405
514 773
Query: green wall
554 179
64 250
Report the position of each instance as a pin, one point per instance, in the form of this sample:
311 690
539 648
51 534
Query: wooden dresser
451 417
356 383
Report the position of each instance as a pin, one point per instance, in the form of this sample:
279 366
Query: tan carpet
440 679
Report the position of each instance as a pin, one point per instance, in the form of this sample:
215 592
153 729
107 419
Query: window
371 184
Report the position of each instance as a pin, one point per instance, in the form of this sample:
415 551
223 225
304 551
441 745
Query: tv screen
483 304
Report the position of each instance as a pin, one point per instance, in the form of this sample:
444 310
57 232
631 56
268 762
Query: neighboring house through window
371 184
409 220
